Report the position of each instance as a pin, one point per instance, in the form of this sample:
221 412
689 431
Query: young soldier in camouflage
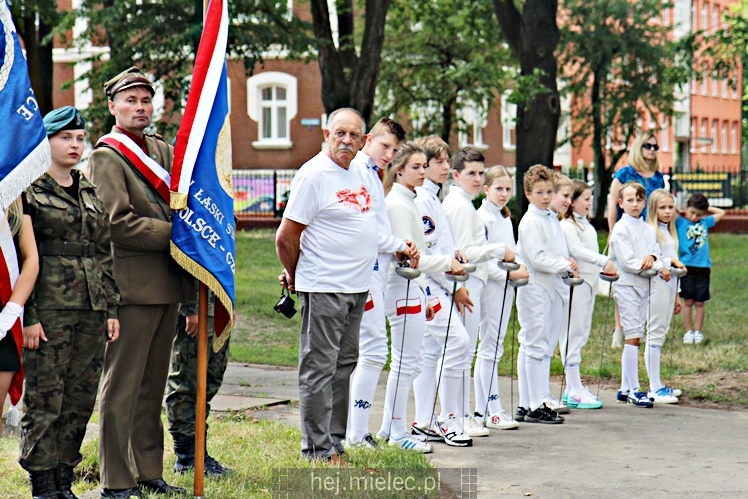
71 314
181 387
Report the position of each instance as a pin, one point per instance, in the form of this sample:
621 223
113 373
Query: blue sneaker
663 395
622 396
640 399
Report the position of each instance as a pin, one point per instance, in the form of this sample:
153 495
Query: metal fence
261 193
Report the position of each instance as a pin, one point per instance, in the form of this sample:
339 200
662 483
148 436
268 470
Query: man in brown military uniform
126 166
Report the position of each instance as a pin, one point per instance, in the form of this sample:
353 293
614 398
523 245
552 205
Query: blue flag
203 227
24 149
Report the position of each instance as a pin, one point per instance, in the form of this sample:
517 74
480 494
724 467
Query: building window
724 87
704 83
508 122
715 147
734 137
703 135
472 120
272 103
715 87
715 18
723 138
704 25
692 146
665 134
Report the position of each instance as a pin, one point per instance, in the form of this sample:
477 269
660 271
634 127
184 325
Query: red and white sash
8 276
154 173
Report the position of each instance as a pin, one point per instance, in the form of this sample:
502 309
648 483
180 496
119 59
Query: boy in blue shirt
693 250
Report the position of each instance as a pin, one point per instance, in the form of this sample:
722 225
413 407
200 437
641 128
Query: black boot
43 484
64 479
184 448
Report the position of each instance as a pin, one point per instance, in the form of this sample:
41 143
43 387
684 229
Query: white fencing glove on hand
11 312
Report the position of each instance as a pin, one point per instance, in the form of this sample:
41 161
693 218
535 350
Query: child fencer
664 301
557 326
405 299
380 147
496 218
538 249
633 249
469 235
443 355
581 239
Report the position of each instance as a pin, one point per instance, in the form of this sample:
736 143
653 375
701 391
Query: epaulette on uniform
156 136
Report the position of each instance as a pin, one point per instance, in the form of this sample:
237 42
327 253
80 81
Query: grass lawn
712 372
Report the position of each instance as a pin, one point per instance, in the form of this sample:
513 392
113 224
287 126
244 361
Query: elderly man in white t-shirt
327 243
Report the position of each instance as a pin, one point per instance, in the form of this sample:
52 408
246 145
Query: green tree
438 57
618 61
530 29
162 37
349 76
35 21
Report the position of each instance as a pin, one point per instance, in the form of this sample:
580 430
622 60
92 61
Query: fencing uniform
372 353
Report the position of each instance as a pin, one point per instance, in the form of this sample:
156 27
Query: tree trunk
447 119
534 45
602 175
347 79
39 60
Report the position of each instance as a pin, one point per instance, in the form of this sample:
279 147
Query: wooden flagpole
201 398
202 373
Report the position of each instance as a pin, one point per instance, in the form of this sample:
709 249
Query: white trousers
632 306
457 345
662 303
581 322
534 306
372 342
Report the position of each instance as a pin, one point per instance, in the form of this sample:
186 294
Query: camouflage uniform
181 386
73 297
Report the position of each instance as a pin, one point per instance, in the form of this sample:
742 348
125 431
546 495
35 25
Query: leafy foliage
438 57
619 60
162 38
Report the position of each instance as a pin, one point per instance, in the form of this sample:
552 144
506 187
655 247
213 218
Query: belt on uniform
64 248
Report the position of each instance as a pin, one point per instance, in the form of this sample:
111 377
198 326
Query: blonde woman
643 168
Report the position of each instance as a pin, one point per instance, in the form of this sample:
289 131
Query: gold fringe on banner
204 276
178 200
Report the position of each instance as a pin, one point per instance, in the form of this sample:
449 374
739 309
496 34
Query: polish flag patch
412 307
369 303
435 303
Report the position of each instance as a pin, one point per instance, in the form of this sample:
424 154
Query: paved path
618 451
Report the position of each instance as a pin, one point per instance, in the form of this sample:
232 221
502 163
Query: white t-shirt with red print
339 243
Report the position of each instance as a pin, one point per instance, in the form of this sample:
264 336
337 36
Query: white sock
479 387
630 363
424 390
522 381
467 382
545 387
396 406
652 356
486 371
574 378
449 396
363 387
535 374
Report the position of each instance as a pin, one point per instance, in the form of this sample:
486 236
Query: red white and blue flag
24 156
202 238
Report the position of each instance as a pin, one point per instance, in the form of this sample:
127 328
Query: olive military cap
129 78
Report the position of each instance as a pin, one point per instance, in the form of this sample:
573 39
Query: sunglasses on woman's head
652 147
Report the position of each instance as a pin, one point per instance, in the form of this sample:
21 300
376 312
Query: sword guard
608 277
569 280
678 272
518 283
404 270
458 277
469 268
508 266
648 273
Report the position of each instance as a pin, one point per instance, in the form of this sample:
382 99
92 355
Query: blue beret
64 118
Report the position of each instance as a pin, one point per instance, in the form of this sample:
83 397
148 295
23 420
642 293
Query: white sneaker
689 337
556 405
409 443
663 395
617 338
502 421
452 432
474 428
698 337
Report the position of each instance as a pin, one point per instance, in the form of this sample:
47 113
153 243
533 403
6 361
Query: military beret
64 118
129 78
